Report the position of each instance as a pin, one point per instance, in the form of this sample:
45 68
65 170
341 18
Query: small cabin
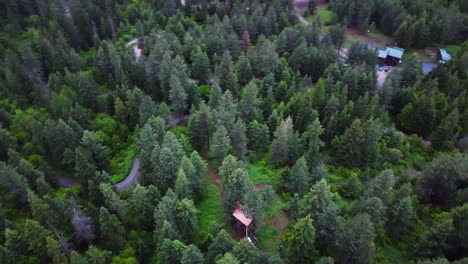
242 218
444 56
244 224
390 56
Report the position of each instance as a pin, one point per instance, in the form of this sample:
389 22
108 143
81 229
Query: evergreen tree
171 251
244 70
355 240
301 240
177 95
200 127
246 43
318 197
258 136
300 177
279 147
187 218
350 151
220 144
201 66
221 244
54 251
215 95
226 76
235 185
35 236
442 138
192 255
111 231
249 102
239 139
182 186
228 258
312 137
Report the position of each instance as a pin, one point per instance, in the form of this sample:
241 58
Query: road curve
302 19
132 178
137 51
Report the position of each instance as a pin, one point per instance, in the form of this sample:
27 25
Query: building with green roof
390 55
444 56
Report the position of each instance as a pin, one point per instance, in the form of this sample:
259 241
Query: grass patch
63 192
274 208
121 164
377 34
259 173
390 255
350 40
210 208
270 234
268 237
326 16
420 54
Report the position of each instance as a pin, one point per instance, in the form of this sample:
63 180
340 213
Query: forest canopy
138 132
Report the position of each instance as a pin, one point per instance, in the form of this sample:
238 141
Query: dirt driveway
382 76
380 42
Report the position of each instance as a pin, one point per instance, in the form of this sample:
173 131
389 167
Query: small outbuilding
244 224
444 56
390 55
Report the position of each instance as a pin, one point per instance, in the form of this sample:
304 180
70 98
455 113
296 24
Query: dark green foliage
355 240
221 244
439 181
220 144
226 76
300 241
111 231
90 89
192 255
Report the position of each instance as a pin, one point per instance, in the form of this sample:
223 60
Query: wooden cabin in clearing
244 223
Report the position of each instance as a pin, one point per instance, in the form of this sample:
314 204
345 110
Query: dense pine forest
233 132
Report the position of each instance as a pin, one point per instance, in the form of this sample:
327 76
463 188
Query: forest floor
211 207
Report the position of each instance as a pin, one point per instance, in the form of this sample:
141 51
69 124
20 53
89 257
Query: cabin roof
395 52
241 216
445 55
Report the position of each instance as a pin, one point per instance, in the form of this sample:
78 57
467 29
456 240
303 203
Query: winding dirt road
137 51
132 178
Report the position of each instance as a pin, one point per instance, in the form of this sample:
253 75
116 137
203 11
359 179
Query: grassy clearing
390 255
275 208
63 192
260 173
420 54
121 164
268 237
350 40
325 15
274 217
210 208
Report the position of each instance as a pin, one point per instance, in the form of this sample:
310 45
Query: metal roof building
444 55
395 52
